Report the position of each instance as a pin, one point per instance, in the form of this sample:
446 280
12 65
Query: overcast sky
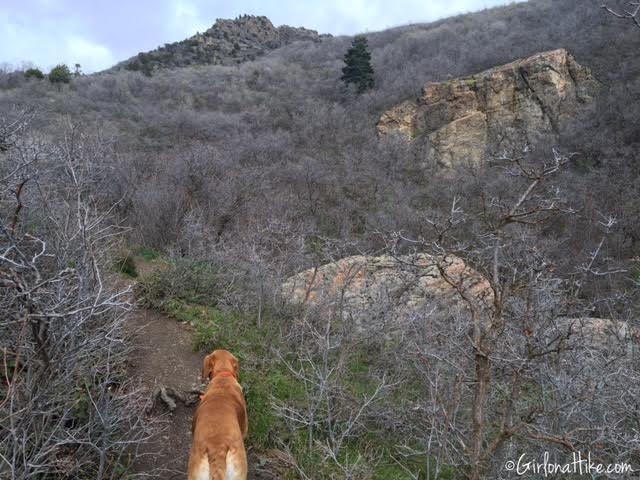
100 33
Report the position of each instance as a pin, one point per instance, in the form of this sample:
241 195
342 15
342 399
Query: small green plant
126 265
470 82
148 254
417 133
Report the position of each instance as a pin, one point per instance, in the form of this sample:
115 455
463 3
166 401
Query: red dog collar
225 373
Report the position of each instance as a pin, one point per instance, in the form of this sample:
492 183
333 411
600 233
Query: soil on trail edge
163 356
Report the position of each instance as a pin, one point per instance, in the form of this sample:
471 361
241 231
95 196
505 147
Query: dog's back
218 445
219 428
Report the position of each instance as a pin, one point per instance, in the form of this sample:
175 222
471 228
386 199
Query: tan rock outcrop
505 107
603 332
400 119
404 284
364 289
462 140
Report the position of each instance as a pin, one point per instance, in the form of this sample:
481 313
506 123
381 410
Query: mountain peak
227 42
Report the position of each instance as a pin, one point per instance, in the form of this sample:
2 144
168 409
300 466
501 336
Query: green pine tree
60 74
358 69
34 73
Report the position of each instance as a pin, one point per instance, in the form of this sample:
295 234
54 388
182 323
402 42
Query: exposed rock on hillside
404 284
602 332
501 108
227 42
367 290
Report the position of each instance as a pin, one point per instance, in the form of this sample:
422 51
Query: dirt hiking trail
163 356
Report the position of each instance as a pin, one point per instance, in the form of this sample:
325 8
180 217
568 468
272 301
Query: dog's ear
207 367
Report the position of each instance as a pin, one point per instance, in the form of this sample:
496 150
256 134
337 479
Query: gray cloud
99 33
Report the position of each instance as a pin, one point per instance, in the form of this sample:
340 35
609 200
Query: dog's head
219 361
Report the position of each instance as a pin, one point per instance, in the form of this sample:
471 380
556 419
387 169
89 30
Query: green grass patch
148 254
358 378
420 465
385 472
126 265
186 280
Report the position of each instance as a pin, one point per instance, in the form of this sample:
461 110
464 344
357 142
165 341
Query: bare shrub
336 398
509 372
632 12
67 408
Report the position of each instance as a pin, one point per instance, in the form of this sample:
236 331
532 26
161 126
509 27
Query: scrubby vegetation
242 175
68 409
225 151
316 403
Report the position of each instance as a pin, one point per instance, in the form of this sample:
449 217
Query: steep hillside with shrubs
242 175
278 145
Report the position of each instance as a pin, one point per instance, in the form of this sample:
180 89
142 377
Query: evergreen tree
34 73
60 74
358 69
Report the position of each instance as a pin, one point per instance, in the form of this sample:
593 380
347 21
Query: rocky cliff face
505 107
227 42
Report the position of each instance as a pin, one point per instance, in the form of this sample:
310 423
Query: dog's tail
228 465
209 465
217 459
219 464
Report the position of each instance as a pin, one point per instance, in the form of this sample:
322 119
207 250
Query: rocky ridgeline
227 42
506 107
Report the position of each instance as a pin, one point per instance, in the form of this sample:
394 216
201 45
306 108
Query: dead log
169 396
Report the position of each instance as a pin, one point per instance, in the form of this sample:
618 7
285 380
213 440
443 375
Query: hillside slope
225 152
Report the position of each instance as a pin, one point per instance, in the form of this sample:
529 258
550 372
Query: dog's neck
224 373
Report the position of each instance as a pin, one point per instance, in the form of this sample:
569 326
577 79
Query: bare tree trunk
480 392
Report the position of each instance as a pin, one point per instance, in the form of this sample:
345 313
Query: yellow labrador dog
220 423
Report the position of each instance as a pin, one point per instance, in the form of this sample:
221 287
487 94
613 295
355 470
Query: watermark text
579 464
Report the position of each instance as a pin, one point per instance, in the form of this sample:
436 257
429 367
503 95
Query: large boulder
599 332
359 285
506 107
371 290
